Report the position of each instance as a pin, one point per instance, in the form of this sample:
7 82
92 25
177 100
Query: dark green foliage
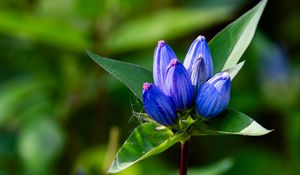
57 107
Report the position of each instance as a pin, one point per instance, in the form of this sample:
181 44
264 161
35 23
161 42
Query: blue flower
178 85
158 106
198 74
214 95
162 56
199 48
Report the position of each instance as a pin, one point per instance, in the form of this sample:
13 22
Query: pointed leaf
228 46
133 76
146 140
234 70
229 122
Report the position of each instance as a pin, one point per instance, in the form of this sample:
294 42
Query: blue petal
198 74
162 56
199 48
214 95
178 85
158 106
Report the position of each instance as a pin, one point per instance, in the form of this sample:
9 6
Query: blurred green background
60 113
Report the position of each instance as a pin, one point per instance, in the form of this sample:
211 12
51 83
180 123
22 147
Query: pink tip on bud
147 86
174 61
161 43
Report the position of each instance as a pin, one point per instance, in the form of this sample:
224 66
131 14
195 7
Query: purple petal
199 48
158 106
214 95
178 85
162 56
198 74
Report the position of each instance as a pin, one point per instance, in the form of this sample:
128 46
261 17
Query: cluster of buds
178 87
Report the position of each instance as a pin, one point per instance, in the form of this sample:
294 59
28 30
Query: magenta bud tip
147 86
174 61
161 43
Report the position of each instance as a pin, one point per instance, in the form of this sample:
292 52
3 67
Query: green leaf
170 23
228 46
146 140
133 76
234 70
229 122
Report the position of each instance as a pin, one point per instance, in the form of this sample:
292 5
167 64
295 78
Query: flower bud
162 56
158 106
178 85
214 95
198 74
199 48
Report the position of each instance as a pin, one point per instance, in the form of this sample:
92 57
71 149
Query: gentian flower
178 87
158 106
214 95
199 48
198 74
163 54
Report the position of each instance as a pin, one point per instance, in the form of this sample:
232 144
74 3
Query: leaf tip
89 53
255 129
242 63
262 4
268 131
111 171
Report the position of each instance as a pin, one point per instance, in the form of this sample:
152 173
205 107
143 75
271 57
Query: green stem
185 148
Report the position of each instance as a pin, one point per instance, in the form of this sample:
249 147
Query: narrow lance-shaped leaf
133 76
229 122
234 70
146 140
228 46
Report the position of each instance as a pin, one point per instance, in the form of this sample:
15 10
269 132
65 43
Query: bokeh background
60 113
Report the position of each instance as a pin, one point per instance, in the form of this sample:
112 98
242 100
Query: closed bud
214 95
158 106
162 56
199 48
198 74
178 85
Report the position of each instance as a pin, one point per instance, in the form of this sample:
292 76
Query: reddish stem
185 148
